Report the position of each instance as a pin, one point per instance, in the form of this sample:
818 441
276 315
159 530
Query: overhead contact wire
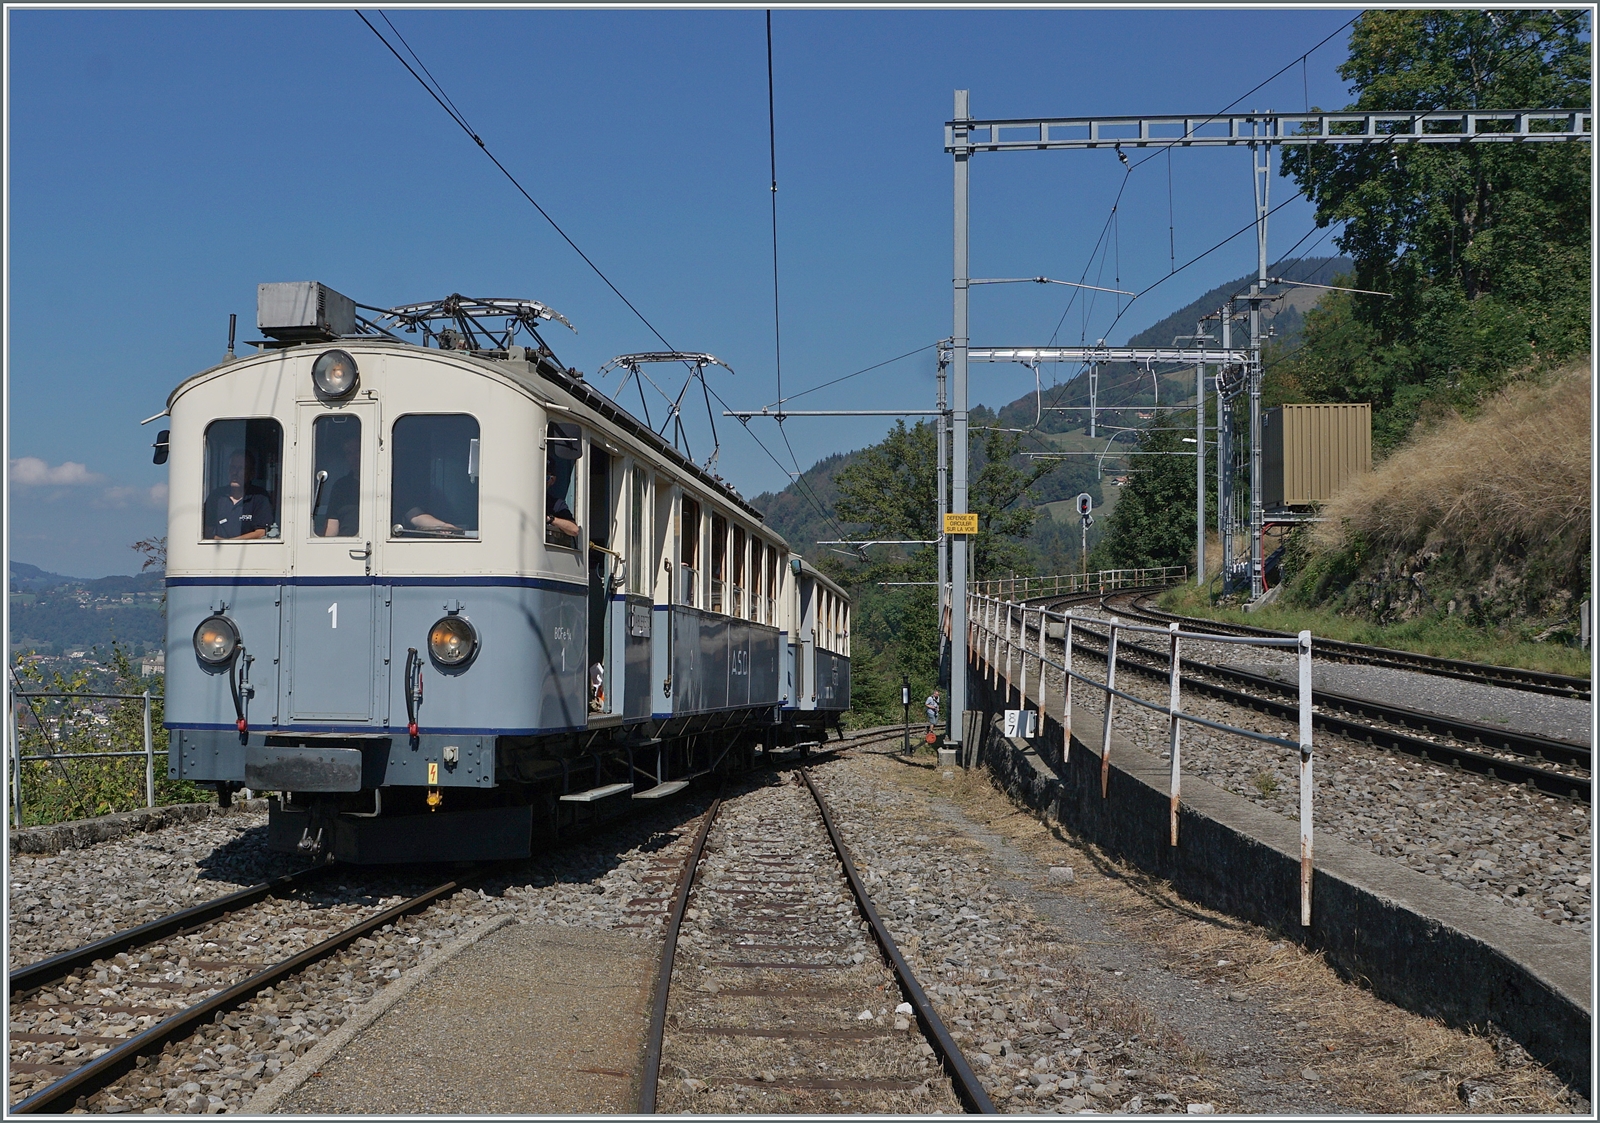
443 100
772 152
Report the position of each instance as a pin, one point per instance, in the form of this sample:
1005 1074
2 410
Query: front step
594 794
661 791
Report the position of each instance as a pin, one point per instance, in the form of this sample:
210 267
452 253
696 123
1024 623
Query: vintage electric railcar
445 600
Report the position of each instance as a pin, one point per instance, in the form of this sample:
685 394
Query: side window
689 551
738 608
563 449
336 476
758 571
435 476
719 563
772 585
640 569
243 479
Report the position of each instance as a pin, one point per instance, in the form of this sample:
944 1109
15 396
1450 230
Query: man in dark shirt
342 506
238 510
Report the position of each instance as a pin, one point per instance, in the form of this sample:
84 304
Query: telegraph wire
444 103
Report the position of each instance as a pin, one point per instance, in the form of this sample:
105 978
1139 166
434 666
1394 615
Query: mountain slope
1056 533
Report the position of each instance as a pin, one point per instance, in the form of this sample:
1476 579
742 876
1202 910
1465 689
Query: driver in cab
238 510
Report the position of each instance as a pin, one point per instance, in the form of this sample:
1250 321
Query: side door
336 669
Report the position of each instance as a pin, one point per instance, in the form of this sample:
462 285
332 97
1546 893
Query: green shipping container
1308 452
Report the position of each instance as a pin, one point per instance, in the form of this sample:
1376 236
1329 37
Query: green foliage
1153 523
57 791
1484 247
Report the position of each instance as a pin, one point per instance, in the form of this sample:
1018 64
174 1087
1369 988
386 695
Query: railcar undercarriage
544 787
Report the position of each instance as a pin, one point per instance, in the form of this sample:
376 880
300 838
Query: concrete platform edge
1427 946
267 1099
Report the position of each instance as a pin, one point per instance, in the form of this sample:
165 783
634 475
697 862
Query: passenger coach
445 598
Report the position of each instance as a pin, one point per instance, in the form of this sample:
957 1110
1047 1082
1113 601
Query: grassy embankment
1447 638
1470 542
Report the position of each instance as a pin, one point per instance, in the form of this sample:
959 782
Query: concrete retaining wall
103 828
1419 942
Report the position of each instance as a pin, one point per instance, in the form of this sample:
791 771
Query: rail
59 1097
964 1082
18 759
987 614
1066 584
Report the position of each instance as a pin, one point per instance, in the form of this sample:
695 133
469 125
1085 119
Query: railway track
99 1010
780 989
1133 604
1500 754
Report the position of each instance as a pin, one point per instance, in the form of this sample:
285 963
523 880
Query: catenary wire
772 150
443 100
1128 171
853 374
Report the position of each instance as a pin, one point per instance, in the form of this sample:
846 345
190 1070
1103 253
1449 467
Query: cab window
563 450
243 479
336 476
434 458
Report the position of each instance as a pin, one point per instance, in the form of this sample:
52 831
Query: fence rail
18 759
1066 584
992 620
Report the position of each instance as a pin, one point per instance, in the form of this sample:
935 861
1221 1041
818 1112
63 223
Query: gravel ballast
1525 849
617 880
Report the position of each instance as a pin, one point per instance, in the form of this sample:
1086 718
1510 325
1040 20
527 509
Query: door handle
364 555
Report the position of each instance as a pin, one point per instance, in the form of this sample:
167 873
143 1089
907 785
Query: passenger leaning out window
563 450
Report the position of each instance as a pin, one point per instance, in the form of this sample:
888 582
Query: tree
1484 247
890 491
155 552
1153 523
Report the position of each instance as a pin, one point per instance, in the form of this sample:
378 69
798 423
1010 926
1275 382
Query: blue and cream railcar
817 667
444 601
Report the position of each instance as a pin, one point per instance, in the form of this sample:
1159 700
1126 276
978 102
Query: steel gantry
965 136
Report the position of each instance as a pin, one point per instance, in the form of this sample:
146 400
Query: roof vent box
293 311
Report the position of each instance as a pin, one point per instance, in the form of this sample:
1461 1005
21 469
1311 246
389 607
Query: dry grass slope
1514 477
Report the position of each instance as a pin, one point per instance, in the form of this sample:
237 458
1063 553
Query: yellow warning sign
433 772
963 523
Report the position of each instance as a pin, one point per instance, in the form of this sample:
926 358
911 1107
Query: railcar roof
528 374
817 575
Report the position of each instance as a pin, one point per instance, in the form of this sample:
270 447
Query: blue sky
162 163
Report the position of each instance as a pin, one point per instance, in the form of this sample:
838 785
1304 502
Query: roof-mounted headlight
452 640
334 375
216 641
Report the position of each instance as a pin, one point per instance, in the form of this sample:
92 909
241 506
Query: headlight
334 374
216 640
452 640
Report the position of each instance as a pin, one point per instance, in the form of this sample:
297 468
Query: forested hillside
52 614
